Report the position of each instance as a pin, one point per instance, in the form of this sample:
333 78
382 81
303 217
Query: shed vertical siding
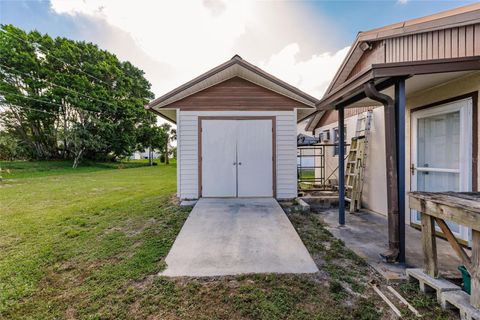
286 144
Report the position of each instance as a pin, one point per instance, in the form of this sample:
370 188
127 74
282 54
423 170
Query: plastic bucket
466 279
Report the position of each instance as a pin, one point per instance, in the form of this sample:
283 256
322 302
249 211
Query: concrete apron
237 236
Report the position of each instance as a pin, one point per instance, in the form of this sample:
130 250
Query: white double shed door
237 157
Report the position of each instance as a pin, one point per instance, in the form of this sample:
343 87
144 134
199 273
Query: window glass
336 140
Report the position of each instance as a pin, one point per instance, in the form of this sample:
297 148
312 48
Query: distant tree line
65 99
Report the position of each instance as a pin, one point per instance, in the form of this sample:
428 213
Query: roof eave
397 69
161 115
440 20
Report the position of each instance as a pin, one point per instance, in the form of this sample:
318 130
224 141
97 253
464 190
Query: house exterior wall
285 140
458 87
374 195
331 116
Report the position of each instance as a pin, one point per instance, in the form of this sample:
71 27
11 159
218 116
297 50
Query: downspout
391 165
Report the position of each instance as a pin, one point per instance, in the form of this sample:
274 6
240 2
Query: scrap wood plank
404 301
387 301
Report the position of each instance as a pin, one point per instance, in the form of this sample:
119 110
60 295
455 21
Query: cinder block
304 207
429 284
461 301
188 203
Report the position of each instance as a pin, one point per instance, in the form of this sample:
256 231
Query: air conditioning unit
325 136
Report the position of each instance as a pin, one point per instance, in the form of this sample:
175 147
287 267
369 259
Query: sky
302 43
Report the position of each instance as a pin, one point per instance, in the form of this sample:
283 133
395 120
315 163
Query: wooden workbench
459 207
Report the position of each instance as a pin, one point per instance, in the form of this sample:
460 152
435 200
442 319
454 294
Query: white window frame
466 135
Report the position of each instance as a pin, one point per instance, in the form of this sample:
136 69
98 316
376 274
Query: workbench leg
430 260
475 283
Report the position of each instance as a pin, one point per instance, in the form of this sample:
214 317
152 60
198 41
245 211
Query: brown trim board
474 96
274 145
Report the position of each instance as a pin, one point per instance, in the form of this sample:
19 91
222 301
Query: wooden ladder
356 162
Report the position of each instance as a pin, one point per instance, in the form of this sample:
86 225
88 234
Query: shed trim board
252 118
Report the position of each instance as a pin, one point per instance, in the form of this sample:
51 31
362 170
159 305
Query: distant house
236 132
137 155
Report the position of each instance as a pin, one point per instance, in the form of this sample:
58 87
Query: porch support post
392 175
400 144
341 166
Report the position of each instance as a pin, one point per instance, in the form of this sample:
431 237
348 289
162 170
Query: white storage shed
236 131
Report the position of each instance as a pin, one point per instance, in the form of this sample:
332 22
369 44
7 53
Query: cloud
312 75
402 1
174 41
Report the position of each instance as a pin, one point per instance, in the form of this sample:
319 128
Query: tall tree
169 135
69 99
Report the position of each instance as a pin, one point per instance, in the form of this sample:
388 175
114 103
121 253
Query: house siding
456 42
440 44
374 191
286 165
331 116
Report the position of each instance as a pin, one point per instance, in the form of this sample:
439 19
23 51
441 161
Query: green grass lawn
88 244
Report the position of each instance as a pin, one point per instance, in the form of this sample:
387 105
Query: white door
219 170
254 150
237 158
441 152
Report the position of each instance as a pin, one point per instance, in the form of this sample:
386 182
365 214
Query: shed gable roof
233 68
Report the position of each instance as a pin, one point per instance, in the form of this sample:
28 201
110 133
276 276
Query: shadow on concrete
366 234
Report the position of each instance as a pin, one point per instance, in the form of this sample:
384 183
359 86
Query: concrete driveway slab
237 236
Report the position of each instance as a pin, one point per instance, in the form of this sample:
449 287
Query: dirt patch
348 275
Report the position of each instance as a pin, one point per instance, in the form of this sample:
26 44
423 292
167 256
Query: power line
57 85
57 104
39 100
51 55
14 105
